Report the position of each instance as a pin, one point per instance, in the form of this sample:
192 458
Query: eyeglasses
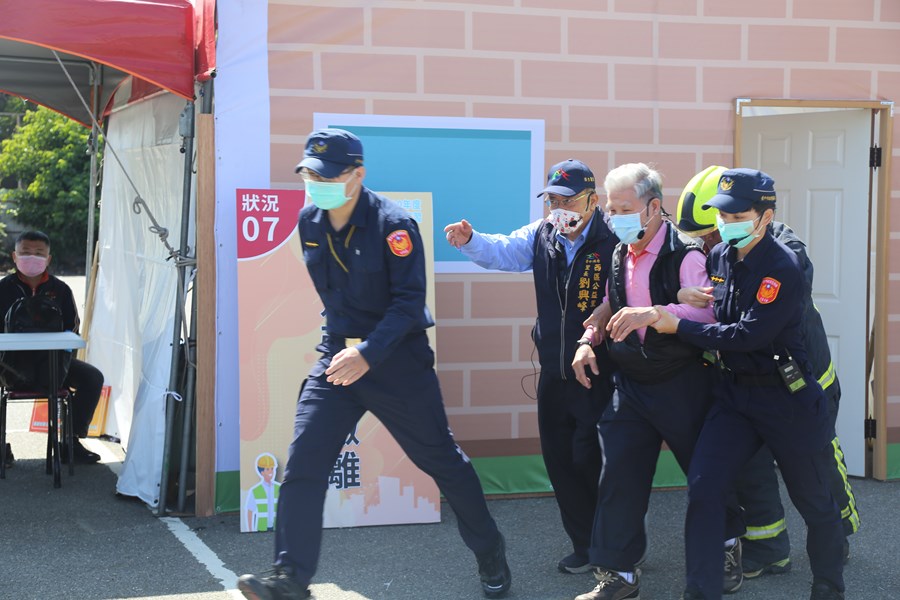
563 202
308 175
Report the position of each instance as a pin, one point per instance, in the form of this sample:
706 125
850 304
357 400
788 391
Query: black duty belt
757 380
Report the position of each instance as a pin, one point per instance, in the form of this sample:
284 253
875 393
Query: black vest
567 295
661 355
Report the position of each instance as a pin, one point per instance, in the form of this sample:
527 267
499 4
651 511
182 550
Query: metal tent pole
92 191
186 129
190 349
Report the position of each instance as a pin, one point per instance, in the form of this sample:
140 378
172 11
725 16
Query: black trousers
568 414
87 382
797 430
403 393
641 417
767 540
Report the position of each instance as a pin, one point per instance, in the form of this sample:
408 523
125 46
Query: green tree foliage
48 155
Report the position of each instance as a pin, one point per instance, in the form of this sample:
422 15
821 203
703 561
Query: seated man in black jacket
32 256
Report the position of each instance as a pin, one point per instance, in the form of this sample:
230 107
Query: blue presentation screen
482 175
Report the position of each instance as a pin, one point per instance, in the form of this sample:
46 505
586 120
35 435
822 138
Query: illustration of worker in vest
262 498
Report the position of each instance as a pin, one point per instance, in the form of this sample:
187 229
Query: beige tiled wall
614 81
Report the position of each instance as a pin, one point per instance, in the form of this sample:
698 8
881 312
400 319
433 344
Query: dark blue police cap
739 189
330 151
568 178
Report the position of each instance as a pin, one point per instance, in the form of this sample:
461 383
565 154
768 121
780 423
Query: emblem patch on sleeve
399 242
768 290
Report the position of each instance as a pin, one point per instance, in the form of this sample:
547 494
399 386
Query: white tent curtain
133 319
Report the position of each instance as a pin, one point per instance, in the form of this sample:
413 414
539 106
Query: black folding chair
62 415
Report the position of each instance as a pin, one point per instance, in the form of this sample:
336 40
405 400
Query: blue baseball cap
568 178
739 189
330 151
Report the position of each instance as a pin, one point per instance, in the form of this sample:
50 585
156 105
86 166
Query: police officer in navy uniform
569 254
365 257
766 546
766 394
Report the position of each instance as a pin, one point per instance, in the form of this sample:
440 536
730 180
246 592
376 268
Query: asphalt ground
82 541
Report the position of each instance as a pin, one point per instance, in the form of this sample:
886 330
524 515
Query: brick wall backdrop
614 80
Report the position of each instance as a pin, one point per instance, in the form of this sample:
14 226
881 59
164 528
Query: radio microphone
640 234
573 223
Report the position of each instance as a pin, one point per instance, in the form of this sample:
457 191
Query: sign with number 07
266 219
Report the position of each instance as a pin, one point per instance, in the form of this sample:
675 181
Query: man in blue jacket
569 254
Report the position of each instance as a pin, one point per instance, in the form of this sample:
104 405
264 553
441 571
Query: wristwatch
584 343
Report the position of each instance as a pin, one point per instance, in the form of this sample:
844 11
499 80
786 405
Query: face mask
737 234
627 228
31 266
327 195
565 221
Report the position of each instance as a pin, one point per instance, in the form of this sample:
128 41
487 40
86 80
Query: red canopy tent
166 43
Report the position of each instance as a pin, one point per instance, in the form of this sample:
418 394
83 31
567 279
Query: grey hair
644 180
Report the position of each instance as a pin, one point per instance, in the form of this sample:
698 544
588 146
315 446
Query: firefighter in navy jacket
767 392
366 260
569 255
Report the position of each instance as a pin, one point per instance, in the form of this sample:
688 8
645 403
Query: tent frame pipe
186 127
187 428
92 192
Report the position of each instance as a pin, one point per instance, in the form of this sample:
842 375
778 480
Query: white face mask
565 221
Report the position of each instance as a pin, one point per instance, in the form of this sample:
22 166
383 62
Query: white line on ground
203 554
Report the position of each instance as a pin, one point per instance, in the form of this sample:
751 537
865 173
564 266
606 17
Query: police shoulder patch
768 290
399 242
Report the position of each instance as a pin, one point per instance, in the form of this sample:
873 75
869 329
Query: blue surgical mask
738 233
628 228
327 195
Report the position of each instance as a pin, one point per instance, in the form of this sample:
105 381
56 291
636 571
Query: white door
820 163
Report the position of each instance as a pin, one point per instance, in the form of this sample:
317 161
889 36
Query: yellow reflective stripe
828 376
848 512
765 532
334 254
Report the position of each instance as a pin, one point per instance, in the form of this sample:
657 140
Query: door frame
879 201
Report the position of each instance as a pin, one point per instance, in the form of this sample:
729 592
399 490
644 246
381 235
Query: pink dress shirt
637 280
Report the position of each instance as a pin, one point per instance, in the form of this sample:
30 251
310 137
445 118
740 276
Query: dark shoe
494 571
689 595
734 575
82 455
823 590
574 563
753 569
10 459
277 584
612 586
